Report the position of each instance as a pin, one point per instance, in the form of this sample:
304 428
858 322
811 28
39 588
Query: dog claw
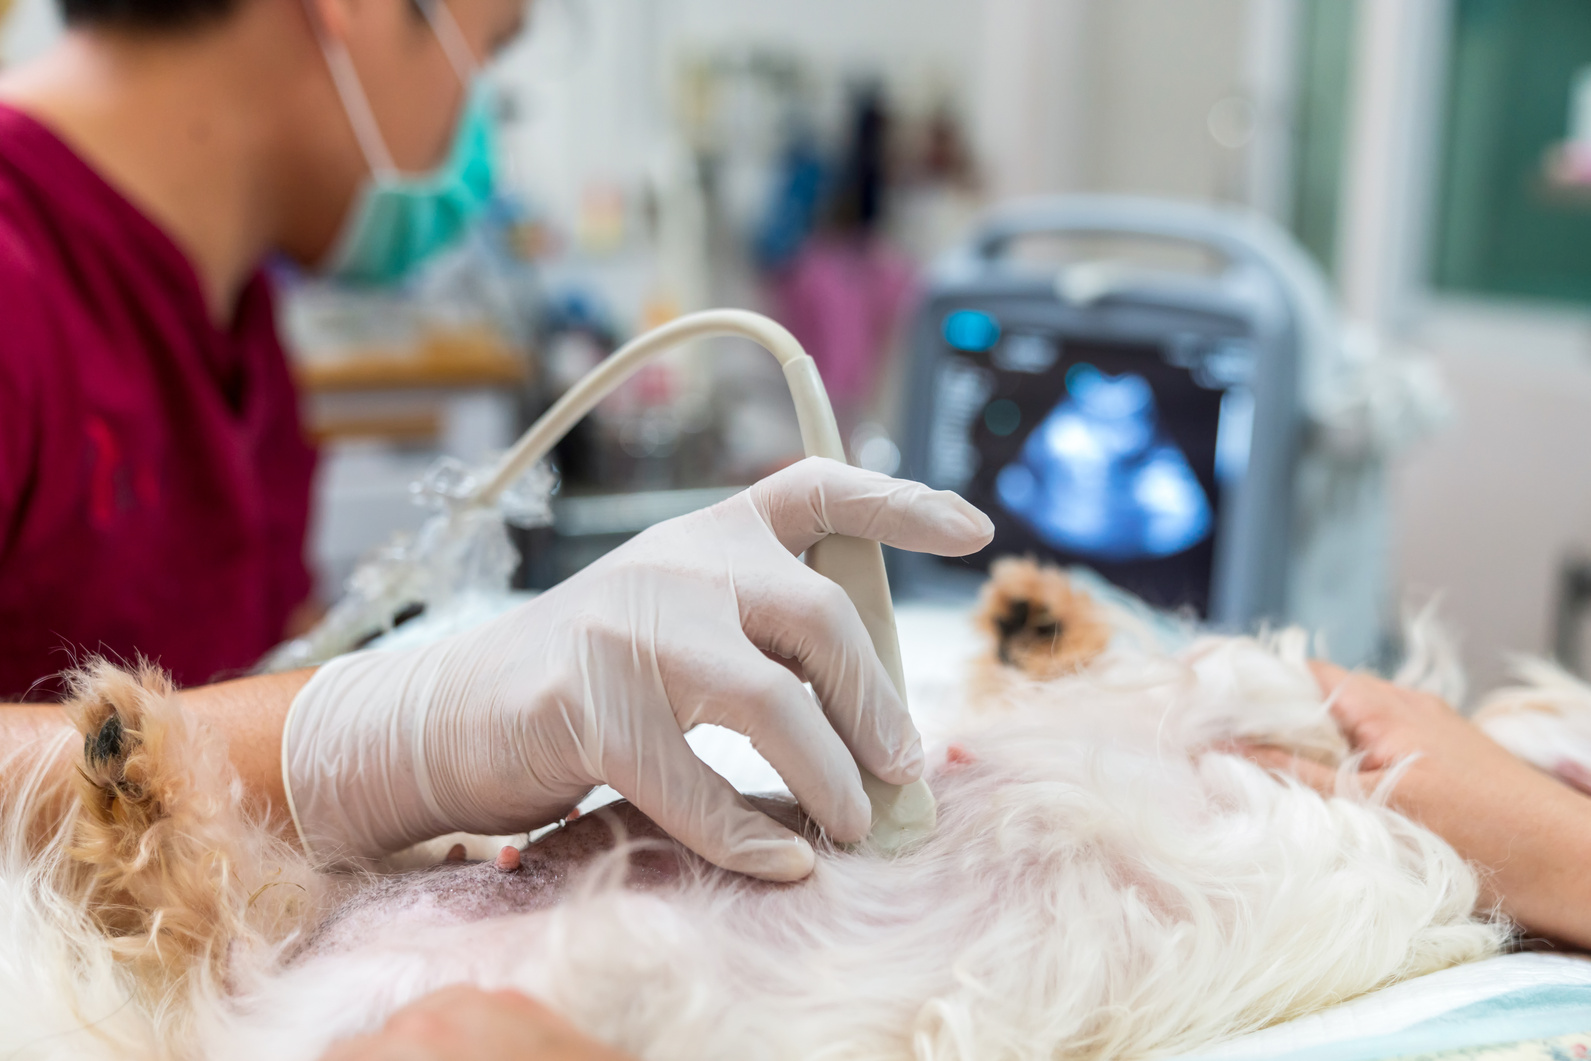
105 743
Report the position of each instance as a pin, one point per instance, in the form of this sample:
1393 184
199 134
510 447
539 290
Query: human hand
1386 723
1530 834
465 1023
706 618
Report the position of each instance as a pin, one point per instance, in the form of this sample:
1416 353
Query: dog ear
1037 622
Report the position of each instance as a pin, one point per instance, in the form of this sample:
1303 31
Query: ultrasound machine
1146 416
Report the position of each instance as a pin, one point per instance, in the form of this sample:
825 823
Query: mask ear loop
355 103
451 38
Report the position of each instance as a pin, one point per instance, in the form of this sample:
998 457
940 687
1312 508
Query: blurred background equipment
387 388
813 161
1572 630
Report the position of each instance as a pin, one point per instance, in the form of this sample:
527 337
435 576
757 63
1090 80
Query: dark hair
153 15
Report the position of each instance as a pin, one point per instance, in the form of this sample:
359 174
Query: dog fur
1545 720
1108 880
160 880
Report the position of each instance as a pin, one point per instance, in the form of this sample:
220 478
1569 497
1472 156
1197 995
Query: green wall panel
1500 229
1325 55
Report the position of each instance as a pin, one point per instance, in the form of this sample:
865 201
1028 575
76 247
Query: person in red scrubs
154 485
154 481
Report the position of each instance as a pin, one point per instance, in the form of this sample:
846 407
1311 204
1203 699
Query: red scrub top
154 482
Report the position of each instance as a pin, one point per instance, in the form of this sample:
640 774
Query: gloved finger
697 807
816 497
789 663
809 618
769 705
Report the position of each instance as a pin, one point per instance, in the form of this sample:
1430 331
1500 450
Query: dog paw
128 779
1037 622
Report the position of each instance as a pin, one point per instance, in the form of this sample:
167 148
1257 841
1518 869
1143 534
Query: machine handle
1238 236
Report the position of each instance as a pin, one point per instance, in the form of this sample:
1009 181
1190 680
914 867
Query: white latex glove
506 727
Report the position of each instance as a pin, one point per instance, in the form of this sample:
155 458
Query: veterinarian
153 482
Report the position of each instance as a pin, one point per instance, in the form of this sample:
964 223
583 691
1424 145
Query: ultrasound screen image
1086 452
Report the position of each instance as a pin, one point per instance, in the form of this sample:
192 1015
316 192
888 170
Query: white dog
1109 878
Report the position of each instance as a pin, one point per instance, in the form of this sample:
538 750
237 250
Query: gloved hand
706 618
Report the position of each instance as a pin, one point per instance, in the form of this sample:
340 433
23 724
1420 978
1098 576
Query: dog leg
166 859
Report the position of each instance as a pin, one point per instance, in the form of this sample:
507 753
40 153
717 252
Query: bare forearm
249 713
1534 844
24 724
35 753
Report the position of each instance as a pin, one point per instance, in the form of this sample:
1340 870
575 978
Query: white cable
454 44
820 436
357 105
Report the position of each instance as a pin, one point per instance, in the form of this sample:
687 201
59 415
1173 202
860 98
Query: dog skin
522 880
1108 879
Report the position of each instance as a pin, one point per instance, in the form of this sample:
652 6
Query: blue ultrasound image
1088 452
1099 477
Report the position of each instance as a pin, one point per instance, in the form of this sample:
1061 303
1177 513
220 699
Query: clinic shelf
448 361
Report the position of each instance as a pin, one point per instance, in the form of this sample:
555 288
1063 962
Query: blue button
968 329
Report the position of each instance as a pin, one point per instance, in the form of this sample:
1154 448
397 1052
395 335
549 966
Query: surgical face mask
398 220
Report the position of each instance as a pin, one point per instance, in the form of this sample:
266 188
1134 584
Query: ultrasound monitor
1083 450
1141 422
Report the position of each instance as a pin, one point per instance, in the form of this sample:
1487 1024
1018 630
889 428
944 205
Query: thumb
817 497
1318 776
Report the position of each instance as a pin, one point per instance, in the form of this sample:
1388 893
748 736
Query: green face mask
399 220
